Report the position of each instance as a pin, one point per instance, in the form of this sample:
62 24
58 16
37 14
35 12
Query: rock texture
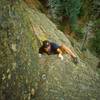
25 76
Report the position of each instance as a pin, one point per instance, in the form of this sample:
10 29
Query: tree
96 9
70 8
90 9
56 8
95 42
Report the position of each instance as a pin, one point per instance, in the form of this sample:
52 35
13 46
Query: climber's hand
40 55
60 56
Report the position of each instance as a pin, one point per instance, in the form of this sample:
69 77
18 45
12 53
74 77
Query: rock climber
53 48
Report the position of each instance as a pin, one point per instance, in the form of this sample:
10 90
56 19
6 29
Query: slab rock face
25 76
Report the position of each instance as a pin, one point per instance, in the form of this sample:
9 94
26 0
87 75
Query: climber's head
46 45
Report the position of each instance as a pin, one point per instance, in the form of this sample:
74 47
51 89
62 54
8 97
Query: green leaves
95 41
70 8
56 8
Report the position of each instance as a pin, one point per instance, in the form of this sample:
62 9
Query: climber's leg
67 50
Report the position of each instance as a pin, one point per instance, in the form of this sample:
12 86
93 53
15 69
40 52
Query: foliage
70 8
90 9
79 33
96 8
56 8
95 42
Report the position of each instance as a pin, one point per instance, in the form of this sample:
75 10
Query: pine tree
56 8
70 8
96 8
91 9
95 42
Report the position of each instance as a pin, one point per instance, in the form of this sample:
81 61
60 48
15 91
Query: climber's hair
46 43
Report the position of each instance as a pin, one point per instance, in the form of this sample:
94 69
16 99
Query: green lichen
22 71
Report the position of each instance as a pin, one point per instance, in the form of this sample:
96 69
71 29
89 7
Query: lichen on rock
22 30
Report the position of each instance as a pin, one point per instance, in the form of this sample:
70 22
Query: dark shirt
53 49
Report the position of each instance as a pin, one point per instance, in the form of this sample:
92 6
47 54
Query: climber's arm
41 51
60 54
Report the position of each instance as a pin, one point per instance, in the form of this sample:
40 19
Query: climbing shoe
75 60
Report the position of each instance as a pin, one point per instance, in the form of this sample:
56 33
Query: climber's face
48 48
